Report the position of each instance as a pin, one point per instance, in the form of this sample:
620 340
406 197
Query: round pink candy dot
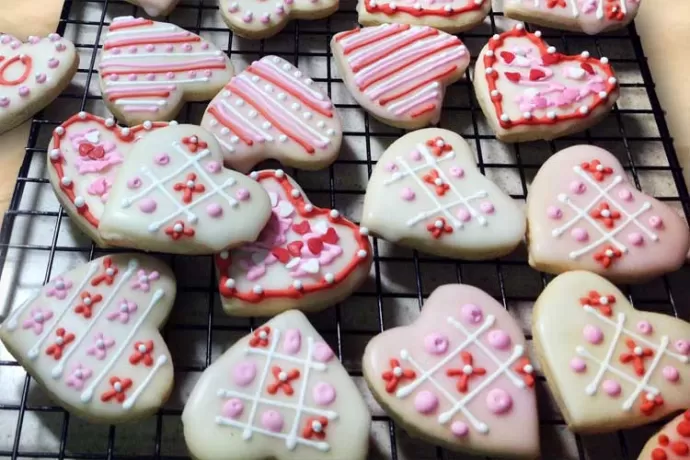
53 63
323 393
554 212
116 51
4 101
151 77
457 171
232 408
24 91
425 402
169 48
147 205
471 313
407 194
625 194
243 373
208 73
611 387
272 421
150 48
459 429
656 222
41 78
578 365
499 339
577 187
390 167
498 401
132 77
114 77
187 47
204 46
134 182
5 39
636 239
162 159
170 75
593 334
487 207
670 373
463 214
415 155
60 47
133 49
191 74
435 343
682 346
645 327
579 234
214 210
322 352
242 194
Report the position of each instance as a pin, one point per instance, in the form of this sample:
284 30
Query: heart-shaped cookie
90 337
443 204
458 376
583 214
149 69
32 74
399 72
264 18
306 257
156 7
277 393
588 16
173 195
85 154
608 365
452 16
672 442
272 110
529 91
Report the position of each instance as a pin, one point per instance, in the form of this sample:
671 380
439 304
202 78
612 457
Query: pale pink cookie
399 73
458 376
85 153
156 7
609 366
452 16
173 195
149 69
32 75
264 18
273 110
583 213
672 442
90 337
306 258
530 91
277 393
443 204
588 16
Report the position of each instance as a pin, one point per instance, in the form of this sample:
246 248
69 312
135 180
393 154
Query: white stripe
410 101
156 82
129 402
385 44
139 31
241 121
364 34
294 79
627 405
594 384
157 102
112 57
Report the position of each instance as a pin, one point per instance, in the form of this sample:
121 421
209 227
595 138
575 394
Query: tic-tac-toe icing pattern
32 74
399 72
612 365
306 257
583 213
172 194
590 16
672 442
272 110
277 393
459 375
85 154
443 204
90 337
148 69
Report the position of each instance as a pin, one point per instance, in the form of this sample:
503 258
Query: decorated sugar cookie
672 442
173 195
530 91
306 257
588 16
277 393
265 18
156 7
609 366
90 337
583 213
84 155
399 72
32 74
443 204
452 16
149 69
459 376
273 110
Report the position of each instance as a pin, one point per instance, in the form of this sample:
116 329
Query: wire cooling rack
38 241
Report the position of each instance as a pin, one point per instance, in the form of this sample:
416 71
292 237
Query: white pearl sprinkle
280 173
334 214
258 290
110 122
329 277
361 253
79 201
230 283
55 154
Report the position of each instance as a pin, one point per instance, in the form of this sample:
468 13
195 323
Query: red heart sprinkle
587 68
85 149
302 228
331 237
536 74
507 56
315 245
295 248
281 254
513 76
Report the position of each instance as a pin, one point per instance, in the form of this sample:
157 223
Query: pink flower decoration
78 376
100 187
100 346
37 318
59 288
123 311
143 282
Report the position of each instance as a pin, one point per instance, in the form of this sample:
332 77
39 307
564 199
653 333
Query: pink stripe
139 89
107 65
288 81
364 36
140 108
168 36
247 129
388 42
128 23
419 98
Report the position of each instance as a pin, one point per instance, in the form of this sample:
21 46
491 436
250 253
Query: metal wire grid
377 303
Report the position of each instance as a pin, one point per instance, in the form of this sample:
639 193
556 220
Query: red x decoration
261 337
466 372
613 10
607 255
650 402
142 353
63 339
178 230
85 308
432 178
108 275
555 3
602 303
437 146
597 170
193 143
525 369
283 380
438 227
315 427
189 188
396 374
605 214
118 390
94 152
636 356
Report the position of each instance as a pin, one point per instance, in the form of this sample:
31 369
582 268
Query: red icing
605 214
105 277
282 381
431 177
88 301
464 377
144 356
178 230
659 454
555 3
187 191
593 299
437 146
449 69
229 123
647 407
385 8
118 394
438 231
636 356
150 41
308 432
526 371
64 338
392 380
257 340
374 38
598 171
607 255
25 60
119 25
193 143
679 447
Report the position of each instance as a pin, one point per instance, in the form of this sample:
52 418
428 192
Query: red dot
687 414
680 448
683 428
659 454
663 440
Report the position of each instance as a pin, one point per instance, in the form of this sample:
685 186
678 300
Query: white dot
334 213
125 132
297 284
551 49
148 125
438 224
363 231
177 228
604 60
55 154
584 110
361 253
59 130
79 201
329 277
295 193
280 173
230 283
467 369
258 290
398 372
585 54
110 122
224 255
66 181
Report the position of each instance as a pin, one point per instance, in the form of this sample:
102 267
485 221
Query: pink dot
243 373
498 401
272 421
577 187
132 77
242 194
214 210
625 194
6 39
457 171
487 207
293 341
407 194
151 77
4 101
41 78
204 46
169 48
670 373
213 167
191 74
579 234
645 327
578 365
24 91
611 387
114 77
471 313
323 393
390 167
134 182
187 47
162 159
147 205
656 222
207 73
435 343
636 239
499 339
170 75
593 334
463 214
322 352
133 49
425 402
459 429
116 51
415 155
53 63
150 47
232 408
682 346
554 212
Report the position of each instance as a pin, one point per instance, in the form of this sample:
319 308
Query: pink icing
579 234
459 429
682 346
435 343
407 194
611 387
498 401
151 76
293 341
463 214
214 209
4 101
656 222
272 421
499 339
242 194
415 155
24 91
132 77
593 334
162 159
457 171
322 352
554 213
670 373
487 207
213 167
577 187
150 48
390 167
323 393
625 194
645 327
243 373
233 408
471 313
636 239
147 205
425 402
41 78
134 182
578 365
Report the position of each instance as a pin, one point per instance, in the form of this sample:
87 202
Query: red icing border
549 59
299 203
411 10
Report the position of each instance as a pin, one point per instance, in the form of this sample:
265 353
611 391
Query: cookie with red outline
672 442
306 257
529 91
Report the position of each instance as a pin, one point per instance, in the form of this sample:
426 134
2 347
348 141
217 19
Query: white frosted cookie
443 204
584 214
529 91
278 393
173 195
588 16
672 442
398 72
90 337
264 18
148 69
84 155
608 365
458 376
273 110
156 7
452 16
306 257
32 75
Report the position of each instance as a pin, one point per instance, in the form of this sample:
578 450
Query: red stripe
386 52
342 35
135 95
391 31
132 23
152 41
428 107
229 124
180 68
438 76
